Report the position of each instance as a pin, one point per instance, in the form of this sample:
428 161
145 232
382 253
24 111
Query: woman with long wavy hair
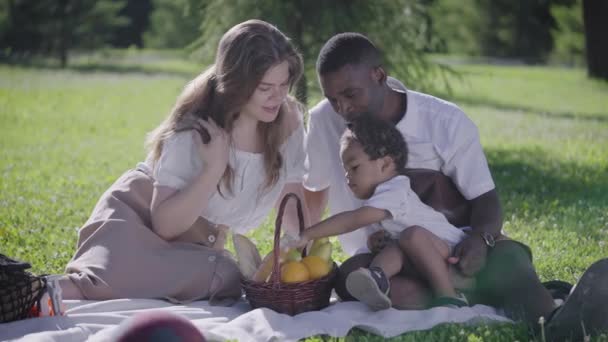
229 149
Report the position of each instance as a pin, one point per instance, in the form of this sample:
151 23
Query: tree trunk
298 32
64 33
595 13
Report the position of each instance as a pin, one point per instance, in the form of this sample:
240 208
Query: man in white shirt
442 138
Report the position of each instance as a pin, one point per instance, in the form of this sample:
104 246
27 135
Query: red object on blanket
157 326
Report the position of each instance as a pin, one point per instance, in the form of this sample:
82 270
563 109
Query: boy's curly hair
378 138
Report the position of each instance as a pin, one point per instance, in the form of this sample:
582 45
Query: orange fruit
294 272
317 266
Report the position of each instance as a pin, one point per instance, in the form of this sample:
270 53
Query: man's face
354 89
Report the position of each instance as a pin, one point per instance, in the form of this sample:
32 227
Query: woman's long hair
245 53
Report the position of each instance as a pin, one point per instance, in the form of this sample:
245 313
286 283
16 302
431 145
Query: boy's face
354 89
362 173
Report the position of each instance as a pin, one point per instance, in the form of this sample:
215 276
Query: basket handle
276 270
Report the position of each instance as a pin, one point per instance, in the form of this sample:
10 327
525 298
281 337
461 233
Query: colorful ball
158 326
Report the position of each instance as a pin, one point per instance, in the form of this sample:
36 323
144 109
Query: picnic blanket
98 320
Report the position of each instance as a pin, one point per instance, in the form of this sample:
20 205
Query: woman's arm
205 233
295 156
344 222
316 201
174 211
290 216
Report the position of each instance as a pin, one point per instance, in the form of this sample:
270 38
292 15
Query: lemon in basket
317 266
294 272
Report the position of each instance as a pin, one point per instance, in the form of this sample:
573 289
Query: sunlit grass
543 90
65 136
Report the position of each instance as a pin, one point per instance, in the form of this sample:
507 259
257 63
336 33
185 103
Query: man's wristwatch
488 239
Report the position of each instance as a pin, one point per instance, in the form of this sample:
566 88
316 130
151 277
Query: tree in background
595 14
516 29
19 33
456 26
174 24
138 13
58 26
528 30
397 27
569 35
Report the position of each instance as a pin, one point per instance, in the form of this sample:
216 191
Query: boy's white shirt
397 197
439 137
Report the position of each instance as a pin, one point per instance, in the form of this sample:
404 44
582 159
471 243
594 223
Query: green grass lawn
66 135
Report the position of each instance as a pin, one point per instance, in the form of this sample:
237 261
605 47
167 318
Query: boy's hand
298 243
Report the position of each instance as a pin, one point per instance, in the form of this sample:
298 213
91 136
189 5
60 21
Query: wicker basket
20 291
292 298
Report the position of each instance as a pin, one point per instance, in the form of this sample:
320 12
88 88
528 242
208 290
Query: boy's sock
370 286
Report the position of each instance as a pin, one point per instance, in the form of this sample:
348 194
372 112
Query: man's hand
470 255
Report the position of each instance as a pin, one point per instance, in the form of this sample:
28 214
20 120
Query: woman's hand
205 233
213 144
220 240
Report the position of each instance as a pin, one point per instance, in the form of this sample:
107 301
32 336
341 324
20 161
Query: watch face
488 238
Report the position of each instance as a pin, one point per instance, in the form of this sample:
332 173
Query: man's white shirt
439 137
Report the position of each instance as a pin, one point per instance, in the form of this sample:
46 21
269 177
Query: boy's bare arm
344 222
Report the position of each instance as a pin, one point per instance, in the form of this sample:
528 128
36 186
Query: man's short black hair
378 138
347 48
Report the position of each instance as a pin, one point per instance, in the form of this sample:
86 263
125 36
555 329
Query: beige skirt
119 256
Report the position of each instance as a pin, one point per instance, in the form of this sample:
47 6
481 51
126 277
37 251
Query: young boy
374 155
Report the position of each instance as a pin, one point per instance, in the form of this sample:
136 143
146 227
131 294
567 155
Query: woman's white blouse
249 203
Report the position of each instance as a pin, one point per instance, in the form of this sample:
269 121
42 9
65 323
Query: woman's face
264 103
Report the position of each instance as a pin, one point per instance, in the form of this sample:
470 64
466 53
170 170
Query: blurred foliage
173 23
55 27
138 13
569 35
516 28
455 26
532 31
399 28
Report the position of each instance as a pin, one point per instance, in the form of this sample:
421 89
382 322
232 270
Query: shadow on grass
492 331
534 184
480 101
110 67
128 68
